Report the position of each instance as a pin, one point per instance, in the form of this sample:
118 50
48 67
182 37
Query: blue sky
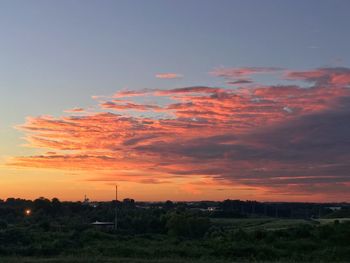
59 53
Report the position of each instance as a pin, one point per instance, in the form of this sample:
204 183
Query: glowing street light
28 212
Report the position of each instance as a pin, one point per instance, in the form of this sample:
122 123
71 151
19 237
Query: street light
27 212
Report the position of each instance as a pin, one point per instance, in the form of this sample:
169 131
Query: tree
187 225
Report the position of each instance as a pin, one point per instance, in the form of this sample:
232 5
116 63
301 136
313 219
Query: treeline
13 210
238 208
53 215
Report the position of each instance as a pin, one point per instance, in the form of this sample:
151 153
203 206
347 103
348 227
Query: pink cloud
271 138
323 76
187 90
243 72
132 93
117 105
168 76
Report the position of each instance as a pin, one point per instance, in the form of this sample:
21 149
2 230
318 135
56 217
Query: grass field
251 224
118 260
331 220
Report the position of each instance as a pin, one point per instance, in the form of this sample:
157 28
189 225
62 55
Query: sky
179 100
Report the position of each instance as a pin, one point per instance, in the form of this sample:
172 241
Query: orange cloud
275 139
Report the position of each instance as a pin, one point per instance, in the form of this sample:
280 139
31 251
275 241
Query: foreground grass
227 240
332 220
83 260
118 260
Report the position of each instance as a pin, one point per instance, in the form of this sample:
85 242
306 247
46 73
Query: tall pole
116 208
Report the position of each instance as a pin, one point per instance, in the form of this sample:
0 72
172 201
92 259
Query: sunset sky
179 100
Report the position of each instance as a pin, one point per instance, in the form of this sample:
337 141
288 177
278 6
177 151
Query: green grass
251 224
117 260
331 220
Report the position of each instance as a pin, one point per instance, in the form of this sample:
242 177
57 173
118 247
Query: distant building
334 208
105 225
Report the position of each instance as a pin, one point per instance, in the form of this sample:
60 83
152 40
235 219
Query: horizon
182 100
174 201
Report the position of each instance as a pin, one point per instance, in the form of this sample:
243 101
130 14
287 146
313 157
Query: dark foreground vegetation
53 231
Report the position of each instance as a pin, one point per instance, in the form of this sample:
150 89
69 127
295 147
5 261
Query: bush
183 225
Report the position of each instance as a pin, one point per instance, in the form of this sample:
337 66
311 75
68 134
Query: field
252 224
324 221
101 260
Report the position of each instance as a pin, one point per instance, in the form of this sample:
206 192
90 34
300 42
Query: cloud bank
283 140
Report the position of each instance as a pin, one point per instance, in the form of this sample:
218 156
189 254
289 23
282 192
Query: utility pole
116 208
276 211
319 211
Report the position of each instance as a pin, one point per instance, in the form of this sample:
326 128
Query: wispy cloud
243 71
239 81
121 105
75 110
168 76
